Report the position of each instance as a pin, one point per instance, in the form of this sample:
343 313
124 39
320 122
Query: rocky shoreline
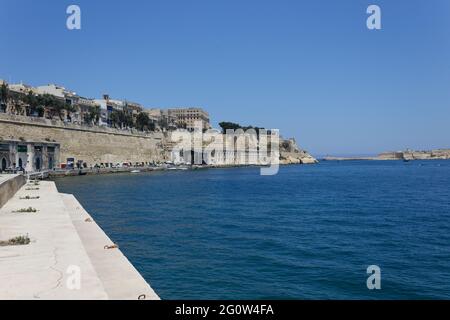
290 153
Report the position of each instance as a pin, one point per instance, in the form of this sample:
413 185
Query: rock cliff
290 153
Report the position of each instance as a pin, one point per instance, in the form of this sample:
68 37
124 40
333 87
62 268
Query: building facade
30 156
187 117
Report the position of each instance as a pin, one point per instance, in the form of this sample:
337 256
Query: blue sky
310 68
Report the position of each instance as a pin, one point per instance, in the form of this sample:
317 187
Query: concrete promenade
65 242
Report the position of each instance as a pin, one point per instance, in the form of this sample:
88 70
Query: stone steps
61 242
40 270
118 276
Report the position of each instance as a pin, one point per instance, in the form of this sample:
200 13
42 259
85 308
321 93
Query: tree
40 111
4 93
115 119
70 108
4 97
235 126
15 106
55 106
92 116
32 102
51 104
143 122
229 125
128 117
121 119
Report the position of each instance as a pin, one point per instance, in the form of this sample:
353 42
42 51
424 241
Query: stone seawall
93 145
9 186
438 154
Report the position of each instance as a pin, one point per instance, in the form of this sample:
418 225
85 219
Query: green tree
32 103
121 119
95 114
70 108
4 97
128 119
235 126
4 93
229 125
116 119
92 116
143 122
52 105
40 111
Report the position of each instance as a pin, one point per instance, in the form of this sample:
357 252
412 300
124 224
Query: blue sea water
309 232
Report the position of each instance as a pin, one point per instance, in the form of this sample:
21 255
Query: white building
107 106
55 90
21 88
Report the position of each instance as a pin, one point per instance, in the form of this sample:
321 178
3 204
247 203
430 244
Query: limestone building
187 117
31 156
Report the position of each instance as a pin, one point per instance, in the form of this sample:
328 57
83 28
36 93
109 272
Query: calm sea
309 232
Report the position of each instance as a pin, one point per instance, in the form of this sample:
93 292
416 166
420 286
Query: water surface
309 232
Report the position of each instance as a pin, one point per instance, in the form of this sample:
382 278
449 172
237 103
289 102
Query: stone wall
93 145
438 154
97 145
9 187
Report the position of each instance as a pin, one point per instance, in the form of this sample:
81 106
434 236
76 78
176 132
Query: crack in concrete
58 281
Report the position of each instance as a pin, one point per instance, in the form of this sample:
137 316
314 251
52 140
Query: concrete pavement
62 243
118 276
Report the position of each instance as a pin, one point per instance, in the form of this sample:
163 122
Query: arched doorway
38 164
4 164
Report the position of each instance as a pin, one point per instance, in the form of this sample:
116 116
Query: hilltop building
57 91
83 110
21 88
187 117
107 107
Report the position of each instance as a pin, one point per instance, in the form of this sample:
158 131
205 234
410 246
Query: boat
136 171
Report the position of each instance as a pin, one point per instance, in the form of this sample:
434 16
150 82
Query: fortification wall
93 145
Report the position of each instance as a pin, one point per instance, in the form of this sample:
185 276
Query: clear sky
310 68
